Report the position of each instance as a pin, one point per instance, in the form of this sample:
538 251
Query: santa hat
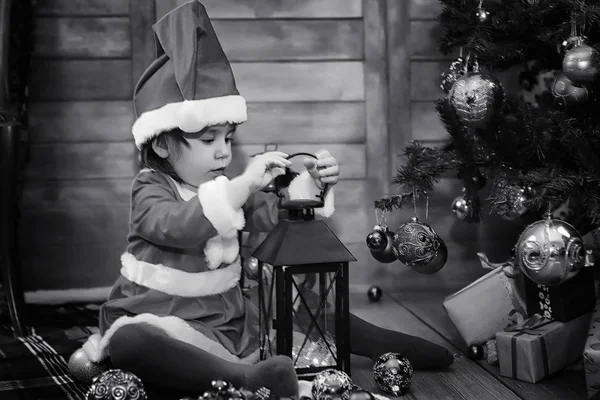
190 85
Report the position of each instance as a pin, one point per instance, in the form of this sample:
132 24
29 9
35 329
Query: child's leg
153 356
372 341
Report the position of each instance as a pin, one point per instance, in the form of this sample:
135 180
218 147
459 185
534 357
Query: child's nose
222 150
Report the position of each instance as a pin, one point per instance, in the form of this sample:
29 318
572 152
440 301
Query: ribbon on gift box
509 272
528 326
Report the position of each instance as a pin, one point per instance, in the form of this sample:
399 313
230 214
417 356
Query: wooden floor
422 314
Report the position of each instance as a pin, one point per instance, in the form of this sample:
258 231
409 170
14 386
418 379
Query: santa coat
181 269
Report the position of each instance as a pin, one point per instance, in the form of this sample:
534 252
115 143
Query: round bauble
393 373
475 352
374 293
418 246
482 16
582 64
332 384
83 369
386 255
461 207
377 239
568 93
550 252
116 384
516 202
476 97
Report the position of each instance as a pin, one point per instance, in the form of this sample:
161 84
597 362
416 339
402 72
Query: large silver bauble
418 246
83 369
476 97
116 384
393 373
332 384
550 252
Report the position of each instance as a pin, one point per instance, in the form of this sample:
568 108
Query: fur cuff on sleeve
218 209
304 187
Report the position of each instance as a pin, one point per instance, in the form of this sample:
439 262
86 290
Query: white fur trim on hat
180 283
218 210
189 116
304 187
96 348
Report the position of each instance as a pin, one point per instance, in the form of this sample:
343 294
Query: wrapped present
532 349
563 302
591 356
481 309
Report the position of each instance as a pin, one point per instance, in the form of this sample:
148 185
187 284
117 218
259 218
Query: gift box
481 309
591 356
538 347
563 302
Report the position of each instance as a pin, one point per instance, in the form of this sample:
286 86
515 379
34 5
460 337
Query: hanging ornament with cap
379 241
567 93
516 202
418 246
550 251
482 15
581 63
461 206
476 97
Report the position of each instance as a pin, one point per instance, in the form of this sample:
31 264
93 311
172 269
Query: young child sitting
176 315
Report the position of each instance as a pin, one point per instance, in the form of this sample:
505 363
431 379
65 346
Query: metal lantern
303 290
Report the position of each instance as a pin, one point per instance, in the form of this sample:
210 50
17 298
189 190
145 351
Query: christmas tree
533 154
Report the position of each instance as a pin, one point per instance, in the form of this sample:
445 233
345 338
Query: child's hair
149 158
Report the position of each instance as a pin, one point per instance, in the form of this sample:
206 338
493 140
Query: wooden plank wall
302 66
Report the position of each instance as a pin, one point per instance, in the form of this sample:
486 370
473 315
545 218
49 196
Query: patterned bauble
393 373
568 93
516 202
332 384
418 246
550 252
83 369
582 64
377 239
386 255
461 207
455 71
374 293
476 97
116 384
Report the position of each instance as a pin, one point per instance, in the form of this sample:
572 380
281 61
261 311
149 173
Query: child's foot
277 373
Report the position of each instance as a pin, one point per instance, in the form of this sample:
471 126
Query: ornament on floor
457 69
393 373
379 241
550 251
482 15
568 93
516 202
332 384
461 207
582 64
475 352
418 246
374 293
476 97
116 384
83 369
488 350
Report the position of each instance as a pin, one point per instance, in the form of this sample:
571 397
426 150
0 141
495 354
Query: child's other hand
262 169
324 169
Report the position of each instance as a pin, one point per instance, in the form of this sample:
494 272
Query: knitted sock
155 357
372 341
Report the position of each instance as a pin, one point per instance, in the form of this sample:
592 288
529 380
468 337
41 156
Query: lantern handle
325 188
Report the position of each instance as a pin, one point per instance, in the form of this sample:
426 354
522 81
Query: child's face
207 156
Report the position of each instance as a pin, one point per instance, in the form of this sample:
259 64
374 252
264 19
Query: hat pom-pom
189 116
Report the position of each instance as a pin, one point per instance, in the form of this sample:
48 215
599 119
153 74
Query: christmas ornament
482 16
455 71
377 239
374 293
361 395
569 43
115 384
393 373
332 384
386 255
461 207
476 97
550 251
582 64
83 369
516 200
475 352
568 93
418 246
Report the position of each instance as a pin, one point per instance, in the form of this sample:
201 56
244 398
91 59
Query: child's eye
207 141
229 140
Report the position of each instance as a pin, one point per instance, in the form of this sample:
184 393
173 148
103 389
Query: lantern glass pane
314 317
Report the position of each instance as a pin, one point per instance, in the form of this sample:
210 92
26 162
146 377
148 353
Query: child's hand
324 169
262 169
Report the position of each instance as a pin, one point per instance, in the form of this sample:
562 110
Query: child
176 316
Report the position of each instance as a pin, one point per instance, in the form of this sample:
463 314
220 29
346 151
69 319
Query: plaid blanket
34 367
